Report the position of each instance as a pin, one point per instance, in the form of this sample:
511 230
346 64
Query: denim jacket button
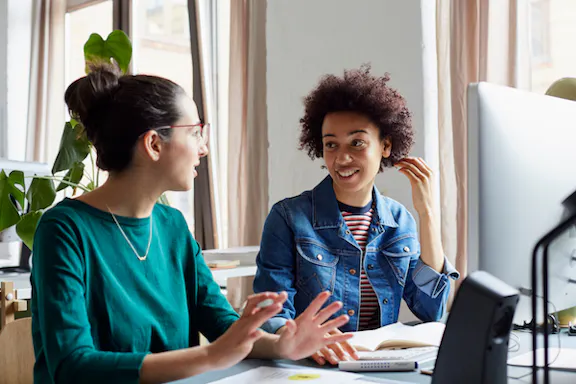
351 312
370 266
352 271
347 232
406 249
385 301
319 257
374 229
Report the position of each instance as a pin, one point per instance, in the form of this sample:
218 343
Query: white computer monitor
11 250
521 166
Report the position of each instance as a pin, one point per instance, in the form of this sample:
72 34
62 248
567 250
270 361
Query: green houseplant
74 166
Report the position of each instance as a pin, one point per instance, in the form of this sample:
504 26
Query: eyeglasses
202 134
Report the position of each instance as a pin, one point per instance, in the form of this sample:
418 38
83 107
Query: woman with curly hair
344 236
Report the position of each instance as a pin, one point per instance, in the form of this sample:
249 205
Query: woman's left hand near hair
421 180
310 332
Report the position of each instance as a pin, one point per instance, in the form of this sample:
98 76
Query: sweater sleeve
58 284
214 313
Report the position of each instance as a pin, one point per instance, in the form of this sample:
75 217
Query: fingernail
265 303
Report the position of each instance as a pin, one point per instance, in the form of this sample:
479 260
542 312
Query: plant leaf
26 227
41 194
120 48
117 46
11 190
73 176
74 147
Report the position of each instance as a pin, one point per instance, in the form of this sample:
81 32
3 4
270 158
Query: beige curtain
46 114
477 40
247 170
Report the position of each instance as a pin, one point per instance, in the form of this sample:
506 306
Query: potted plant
74 166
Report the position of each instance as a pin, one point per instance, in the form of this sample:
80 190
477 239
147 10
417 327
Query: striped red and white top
358 221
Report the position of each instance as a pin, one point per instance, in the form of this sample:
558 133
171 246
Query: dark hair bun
115 109
85 94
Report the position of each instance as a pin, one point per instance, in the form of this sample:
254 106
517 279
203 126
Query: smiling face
353 151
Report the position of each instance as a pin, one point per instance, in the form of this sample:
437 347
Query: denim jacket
306 248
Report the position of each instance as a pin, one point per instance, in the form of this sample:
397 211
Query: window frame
545 58
3 79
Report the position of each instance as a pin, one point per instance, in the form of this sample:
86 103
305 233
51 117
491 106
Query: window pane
161 40
553 41
80 25
17 76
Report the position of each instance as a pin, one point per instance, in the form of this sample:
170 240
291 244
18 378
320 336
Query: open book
398 335
222 264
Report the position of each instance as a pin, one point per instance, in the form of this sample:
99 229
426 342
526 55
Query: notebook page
425 334
369 340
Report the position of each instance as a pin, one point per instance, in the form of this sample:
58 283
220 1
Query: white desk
516 375
246 269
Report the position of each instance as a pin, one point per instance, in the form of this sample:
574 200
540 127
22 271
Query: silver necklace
141 258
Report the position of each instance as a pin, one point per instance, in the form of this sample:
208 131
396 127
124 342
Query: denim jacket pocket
316 268
398 254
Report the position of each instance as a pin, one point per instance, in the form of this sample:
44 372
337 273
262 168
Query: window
15 54
80 24
161 46
540 30
160 36
161 39
553 41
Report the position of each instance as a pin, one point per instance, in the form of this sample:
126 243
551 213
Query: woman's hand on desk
237 342
310 332
334 353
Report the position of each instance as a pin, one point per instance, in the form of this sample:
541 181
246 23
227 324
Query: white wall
309 38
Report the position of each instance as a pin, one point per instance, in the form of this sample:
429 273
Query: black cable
527 328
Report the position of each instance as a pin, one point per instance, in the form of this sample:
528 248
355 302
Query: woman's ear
386 148
152 145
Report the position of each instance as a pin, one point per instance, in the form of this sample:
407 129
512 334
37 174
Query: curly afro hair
361 92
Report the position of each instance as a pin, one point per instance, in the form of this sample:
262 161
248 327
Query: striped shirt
358 220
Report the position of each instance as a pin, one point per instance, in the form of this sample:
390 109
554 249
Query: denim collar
327 214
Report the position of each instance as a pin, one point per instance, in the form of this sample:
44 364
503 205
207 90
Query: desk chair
16 349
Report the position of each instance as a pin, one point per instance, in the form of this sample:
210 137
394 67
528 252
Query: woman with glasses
120 288
344 235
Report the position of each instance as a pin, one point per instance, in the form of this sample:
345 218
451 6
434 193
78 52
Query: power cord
526 327
515 347
551 323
